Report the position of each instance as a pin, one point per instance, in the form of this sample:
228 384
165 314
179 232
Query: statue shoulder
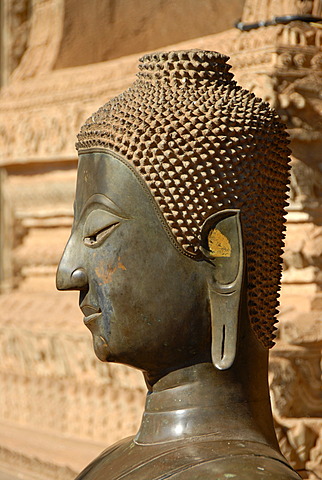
190 460
103 467
239 468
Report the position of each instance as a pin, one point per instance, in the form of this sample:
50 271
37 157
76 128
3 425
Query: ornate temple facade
59 405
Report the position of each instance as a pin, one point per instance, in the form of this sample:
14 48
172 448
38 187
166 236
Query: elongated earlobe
222 245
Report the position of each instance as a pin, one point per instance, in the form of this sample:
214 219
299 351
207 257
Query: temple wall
52 383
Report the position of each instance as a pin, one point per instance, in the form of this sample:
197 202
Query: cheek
162 299
104 300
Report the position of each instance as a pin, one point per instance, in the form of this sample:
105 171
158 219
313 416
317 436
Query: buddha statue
176 252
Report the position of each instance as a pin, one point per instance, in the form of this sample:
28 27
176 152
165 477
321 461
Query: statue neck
199 400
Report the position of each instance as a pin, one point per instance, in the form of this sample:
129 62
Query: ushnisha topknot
202 144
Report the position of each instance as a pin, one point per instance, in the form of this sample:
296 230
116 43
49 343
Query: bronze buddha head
178 216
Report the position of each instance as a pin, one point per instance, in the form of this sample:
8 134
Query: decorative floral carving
285 60
316 62
261 10
51 372
300 60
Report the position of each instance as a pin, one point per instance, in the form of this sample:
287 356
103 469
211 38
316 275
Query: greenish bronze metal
184 322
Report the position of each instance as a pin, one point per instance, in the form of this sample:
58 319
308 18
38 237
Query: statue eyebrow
108 204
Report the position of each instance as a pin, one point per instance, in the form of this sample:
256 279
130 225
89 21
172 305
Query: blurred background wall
61 60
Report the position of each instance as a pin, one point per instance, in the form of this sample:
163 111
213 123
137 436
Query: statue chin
101 348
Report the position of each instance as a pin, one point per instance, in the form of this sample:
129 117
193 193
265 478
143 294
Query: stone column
6 235
3 43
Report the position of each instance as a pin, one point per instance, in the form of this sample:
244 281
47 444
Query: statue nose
77 280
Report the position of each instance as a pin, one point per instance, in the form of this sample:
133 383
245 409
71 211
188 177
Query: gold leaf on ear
218 244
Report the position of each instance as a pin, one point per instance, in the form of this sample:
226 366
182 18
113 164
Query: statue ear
222 245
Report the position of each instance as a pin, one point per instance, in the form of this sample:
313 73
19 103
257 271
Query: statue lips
90 319
90 313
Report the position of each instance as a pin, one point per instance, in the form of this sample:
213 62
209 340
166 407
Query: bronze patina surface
175 250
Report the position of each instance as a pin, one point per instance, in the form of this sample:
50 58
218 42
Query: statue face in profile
140 297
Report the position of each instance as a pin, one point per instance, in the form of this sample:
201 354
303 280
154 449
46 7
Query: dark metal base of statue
175 250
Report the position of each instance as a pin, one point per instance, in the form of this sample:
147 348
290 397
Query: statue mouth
91 318
90 313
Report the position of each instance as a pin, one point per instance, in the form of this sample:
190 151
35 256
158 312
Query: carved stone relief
52 370
300 443
261 10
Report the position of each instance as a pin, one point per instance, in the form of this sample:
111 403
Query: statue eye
98 237
98 226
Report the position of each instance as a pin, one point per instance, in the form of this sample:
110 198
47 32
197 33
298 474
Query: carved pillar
5 235
3 43
14 35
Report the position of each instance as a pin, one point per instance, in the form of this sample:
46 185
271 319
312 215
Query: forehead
103 173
